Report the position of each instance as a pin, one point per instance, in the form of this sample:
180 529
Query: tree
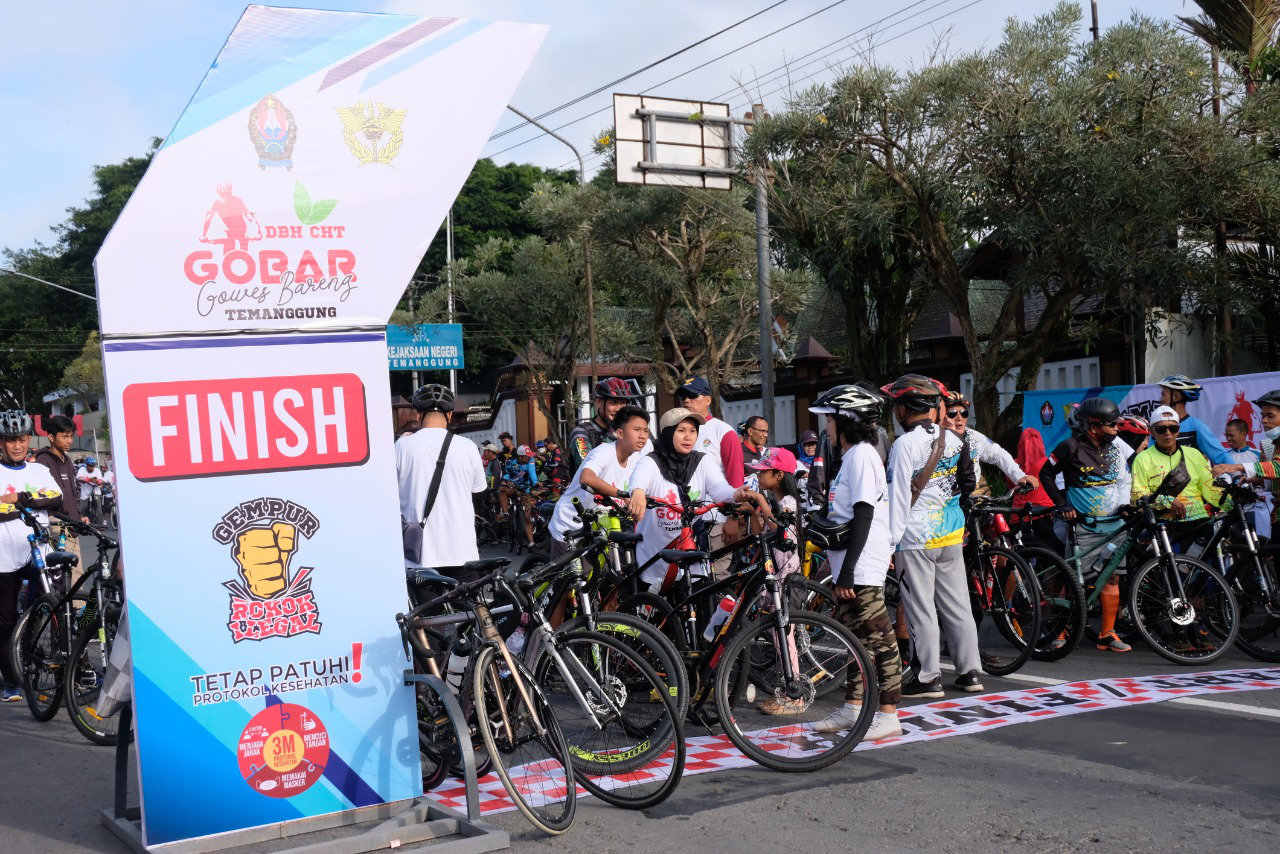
1244 31
83 376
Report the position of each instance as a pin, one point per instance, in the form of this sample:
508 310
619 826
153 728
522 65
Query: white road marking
1216 705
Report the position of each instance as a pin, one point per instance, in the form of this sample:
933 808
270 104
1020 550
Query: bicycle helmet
1271 398
613 388
915 392
14 422
1136 424
1097 409
91 461
956 398
433 398
1177 382
851 401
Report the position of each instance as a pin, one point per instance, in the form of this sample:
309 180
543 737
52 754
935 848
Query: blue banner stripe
245 341
342 776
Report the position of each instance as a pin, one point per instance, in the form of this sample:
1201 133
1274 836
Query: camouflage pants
869 620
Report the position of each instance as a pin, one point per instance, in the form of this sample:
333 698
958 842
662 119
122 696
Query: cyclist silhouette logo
268 599
235 219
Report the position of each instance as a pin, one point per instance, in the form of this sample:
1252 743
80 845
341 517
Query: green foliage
84 374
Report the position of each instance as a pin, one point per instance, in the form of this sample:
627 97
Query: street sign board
672 142
425 347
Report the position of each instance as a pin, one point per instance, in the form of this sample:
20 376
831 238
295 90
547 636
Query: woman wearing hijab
677 474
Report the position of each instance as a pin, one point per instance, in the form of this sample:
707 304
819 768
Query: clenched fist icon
263 555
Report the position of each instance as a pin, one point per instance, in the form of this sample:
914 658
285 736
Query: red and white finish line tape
946 718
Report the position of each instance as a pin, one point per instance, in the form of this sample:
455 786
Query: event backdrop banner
244 295
1223 399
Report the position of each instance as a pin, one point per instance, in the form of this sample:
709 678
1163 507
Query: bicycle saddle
624 537
422 575
484 566
681 557
60 559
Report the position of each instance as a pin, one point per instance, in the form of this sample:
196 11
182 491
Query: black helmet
849 400
916 392
1271 398
1097 409
433 398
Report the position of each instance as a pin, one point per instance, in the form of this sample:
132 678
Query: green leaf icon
309 212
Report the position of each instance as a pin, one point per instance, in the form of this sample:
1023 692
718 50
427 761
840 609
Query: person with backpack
438 474
928 472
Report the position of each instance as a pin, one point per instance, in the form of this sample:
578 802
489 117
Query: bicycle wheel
809 595
525 742
823 655
1063 608
40 656
657 612
85 675
1192 629
627 741
652 646
1006 612
1259 634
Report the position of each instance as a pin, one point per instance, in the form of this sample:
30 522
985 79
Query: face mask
1273 434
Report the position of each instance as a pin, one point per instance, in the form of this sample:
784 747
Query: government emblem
372 131
273 132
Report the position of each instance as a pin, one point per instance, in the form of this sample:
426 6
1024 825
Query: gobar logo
265 601
203 428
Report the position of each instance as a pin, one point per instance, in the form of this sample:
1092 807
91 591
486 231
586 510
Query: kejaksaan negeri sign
429 346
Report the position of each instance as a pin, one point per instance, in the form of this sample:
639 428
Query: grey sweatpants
933 585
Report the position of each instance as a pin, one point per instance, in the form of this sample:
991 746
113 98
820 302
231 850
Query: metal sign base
400 824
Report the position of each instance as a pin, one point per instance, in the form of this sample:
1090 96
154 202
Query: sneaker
841 719
968 682
11 694
782 706
917 690
883 725
1111 642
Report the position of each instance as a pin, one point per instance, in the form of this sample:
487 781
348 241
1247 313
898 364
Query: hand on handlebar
1028 484
636 505
1228 468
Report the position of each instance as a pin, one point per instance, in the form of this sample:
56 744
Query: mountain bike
1005 596
91 650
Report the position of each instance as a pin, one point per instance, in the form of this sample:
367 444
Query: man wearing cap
806 450
720 442
1176 476
492 465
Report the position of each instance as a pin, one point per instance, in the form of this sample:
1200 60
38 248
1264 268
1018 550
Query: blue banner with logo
425 347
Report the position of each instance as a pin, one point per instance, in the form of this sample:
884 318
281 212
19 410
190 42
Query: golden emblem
376 124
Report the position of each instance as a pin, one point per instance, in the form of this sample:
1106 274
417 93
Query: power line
654 64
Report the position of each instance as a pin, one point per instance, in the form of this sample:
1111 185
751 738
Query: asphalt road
1189 775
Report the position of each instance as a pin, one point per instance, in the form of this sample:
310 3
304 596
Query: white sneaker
883 726
842 719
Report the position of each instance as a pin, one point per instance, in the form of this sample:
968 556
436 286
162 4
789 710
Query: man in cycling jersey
1176 392
1092 464
611 394
519 479
927 532
1176 475
508 449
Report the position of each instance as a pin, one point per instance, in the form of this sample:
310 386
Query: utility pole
1093 5
762 277
586 241
1226 361
448 255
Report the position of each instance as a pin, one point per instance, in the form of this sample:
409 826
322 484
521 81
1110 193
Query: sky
90 82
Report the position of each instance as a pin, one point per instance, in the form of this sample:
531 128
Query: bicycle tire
1259 634
1014 612
840 648
38 656
808 595
91 651
551 816
656 611
1064 608
653 646
647 762
1196 634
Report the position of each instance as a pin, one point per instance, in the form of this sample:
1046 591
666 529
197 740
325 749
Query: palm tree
1244 30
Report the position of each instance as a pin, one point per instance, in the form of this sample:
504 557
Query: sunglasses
1166 430
1106 423
958 413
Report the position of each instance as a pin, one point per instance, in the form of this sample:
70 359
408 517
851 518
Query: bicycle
1180 606
807 664
516 722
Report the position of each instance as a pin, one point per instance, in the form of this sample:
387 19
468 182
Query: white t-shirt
87 489
449 537
15 551
661 528
862 478
603 460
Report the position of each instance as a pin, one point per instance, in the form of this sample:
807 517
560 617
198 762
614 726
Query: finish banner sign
244 294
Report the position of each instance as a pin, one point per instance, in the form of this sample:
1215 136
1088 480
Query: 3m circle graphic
283 750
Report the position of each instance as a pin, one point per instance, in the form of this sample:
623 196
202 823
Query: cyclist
553 465
62 433
89 476
1269 405
606 471
1134 431
611 394
1176 475
448 533
677 474
928 472
1092 465
1237 434
718 441
508 449
34 482
519 480
859 495
982 449
1177 391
